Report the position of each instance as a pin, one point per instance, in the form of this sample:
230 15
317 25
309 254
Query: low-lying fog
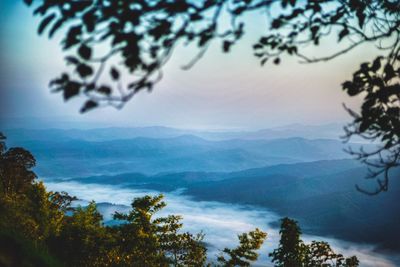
220 222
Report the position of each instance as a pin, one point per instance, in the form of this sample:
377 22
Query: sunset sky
221 91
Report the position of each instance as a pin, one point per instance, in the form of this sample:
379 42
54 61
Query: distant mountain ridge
328 131
175 180
309 177
321 195
72 157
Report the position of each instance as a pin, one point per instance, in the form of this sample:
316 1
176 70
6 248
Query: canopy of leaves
245 253
293 252
42 227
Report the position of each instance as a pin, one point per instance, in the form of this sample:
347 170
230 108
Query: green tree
320 253
15 169
30 215
147 241
26 206
82 239
293 252
139 242
246 252
181 249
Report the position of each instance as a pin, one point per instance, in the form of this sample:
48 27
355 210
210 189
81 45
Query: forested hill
175 154
319 194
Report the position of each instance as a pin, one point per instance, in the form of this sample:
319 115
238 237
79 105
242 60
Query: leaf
72 37
84 70
90 104
376 65
339 14
45 22
292 50
28 2
226 46
114 73
55 27
72 60
89 19
71 89
257 46
204 38
276 23
314 30
264 40
104 90
351 89
90 87
361 17
85 51
343 33
263 61
239 10
389 72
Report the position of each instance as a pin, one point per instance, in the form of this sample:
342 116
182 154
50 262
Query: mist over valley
224 183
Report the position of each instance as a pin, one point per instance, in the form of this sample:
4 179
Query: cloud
220 222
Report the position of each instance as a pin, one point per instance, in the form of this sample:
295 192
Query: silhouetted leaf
343 33
71 89
45 22
72 37
376 65
226 46
263 61
84 70
28 2
85 51
361 17
339 14
389 72
292 50
106 90
90 104
90 87
55 27
114 73
350 88
276 23
72 60
89 20
314 30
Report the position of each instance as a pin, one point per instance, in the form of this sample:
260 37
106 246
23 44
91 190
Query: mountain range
72 157
321 195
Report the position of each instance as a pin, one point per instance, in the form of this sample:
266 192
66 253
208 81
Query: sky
222 91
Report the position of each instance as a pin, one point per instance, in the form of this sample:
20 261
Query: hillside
318 194
76 158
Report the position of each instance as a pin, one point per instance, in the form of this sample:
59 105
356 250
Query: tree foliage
140 36
293 252
245 253
45 230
